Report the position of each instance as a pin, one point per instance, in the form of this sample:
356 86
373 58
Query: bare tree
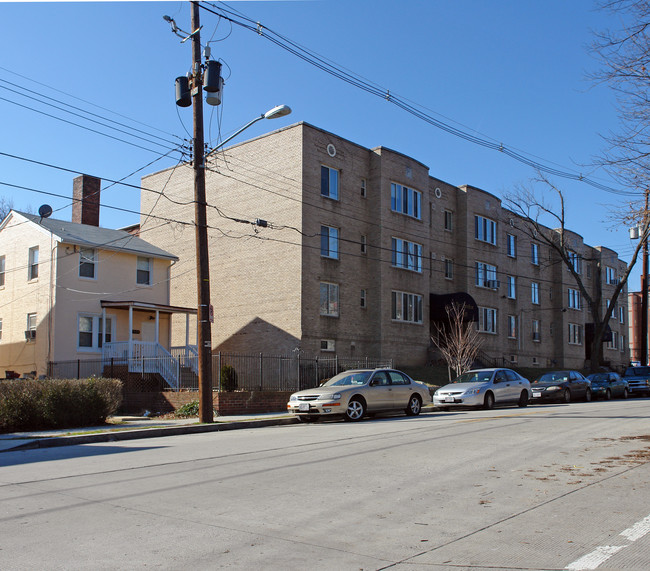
458 339
5 206
530 207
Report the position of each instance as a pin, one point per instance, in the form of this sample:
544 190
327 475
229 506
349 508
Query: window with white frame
613 315
449 269
534 293
511 245
2 271
536 330
574 299
329 242
613 342
405 200
512 326
329 182
364 244
406 307
449 220
0 329
486 275
143 271
363 298
329 299
487 320
31 325
534 253
87 263
622 343
328 345
575 260
32 268
406 255
512 287
610 276
621 314
363 188
575 334
485 229
91 335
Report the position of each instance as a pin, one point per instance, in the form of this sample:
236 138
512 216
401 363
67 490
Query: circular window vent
331 150
438 193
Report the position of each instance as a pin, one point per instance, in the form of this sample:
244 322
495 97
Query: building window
622 343
90 331
31 326
610 276
449 220
32 272
329 299
327 345
0 329
363 298
449 269
511 245
512 287
534 293
575 334
485 230
576 261
534 253
537 335
512 326
613 343
364 245
143 271
406 307
621 314
87 263
363 188
574 299
406 255
486 275
329 182
487 320
405 200
329 242
2 271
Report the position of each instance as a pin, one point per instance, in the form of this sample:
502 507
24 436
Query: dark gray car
561 386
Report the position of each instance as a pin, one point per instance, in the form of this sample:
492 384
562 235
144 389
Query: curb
137 433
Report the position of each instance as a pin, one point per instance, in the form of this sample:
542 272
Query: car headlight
335 396
553 388
293 397
473 391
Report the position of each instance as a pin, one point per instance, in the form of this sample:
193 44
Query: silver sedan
353 394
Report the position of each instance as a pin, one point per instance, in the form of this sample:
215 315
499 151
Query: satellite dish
45 211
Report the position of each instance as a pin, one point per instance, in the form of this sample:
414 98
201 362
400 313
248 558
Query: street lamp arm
279 111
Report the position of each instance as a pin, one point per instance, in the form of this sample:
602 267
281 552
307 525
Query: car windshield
555 377
637 371
349 378
598 377
474 377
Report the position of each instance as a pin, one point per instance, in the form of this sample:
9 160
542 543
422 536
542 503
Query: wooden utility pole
201 227
644 288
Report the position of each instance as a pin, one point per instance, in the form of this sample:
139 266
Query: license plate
536 395
303 407
449 399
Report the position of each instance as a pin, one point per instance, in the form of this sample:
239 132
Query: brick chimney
85 200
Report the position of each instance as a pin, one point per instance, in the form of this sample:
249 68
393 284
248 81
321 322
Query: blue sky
511 71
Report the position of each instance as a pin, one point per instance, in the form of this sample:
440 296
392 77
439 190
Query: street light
275 113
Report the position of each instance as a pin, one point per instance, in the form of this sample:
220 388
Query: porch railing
144 357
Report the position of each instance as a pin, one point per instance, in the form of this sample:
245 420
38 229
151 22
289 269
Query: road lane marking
604 552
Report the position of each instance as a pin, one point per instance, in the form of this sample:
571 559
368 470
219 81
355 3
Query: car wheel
488 402
355 411
566 397
523 399
588 395
608 395
414 407
626 393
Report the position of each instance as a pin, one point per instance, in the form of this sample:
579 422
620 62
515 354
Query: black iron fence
230 371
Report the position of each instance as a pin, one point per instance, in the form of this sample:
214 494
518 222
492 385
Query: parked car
608 385
638 380
353 394
484 388
561 386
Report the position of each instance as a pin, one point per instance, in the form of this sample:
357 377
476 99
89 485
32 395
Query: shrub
57 403
188 409
228 378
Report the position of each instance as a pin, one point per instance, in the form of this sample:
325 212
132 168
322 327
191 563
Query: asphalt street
545 487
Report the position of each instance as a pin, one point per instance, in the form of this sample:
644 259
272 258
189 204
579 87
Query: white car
484 388
353 394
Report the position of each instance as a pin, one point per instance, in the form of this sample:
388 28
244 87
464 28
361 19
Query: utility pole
201 228
644 288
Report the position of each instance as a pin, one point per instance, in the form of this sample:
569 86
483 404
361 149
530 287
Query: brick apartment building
354 248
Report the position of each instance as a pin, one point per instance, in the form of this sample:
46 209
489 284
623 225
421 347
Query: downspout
50 301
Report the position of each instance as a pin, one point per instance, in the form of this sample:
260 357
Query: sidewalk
133 427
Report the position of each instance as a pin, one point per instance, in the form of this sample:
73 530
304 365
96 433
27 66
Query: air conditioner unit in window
30 334
494 284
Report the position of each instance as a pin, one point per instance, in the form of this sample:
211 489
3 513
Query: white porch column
187 330
130 331
157 327
103 332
